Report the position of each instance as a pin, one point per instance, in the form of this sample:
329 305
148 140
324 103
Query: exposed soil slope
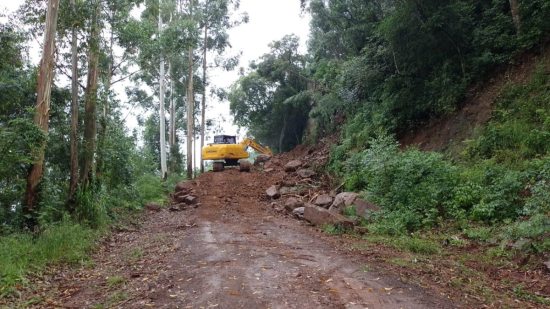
476 110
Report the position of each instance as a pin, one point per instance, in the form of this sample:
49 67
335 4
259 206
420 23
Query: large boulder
293 203
323 200
305 173
320 216
364 208
261 159
343 200
292 166
273 192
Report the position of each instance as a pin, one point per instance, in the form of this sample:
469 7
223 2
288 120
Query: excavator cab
225 139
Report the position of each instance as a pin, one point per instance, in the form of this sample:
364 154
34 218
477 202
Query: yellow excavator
225 151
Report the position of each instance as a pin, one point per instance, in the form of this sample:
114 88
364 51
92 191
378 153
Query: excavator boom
247 142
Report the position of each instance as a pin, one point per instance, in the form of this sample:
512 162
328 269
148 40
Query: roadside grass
23 254
406 243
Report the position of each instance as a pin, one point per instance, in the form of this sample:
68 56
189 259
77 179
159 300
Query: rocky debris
268 170
183 196
320 216
343 200
190 199
364 208
273 192
305 173
292 166
261 159
293 203
177 207
299 212
323 200
183 186
153 207
547 264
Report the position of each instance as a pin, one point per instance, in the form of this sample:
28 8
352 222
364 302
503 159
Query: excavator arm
248 142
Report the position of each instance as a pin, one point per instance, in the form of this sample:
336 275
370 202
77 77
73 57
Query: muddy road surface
232 251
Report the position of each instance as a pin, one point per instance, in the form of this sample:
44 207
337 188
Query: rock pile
303 193
183 197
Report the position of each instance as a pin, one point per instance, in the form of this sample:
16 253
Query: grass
405 243
332 229
135 254
23 254
115 281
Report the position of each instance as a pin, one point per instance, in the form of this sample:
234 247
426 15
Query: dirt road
233 251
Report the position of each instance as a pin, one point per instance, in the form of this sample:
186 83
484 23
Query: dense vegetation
377 70
70 168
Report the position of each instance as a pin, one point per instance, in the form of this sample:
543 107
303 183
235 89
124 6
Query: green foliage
272 100
399 64
21 254
412 181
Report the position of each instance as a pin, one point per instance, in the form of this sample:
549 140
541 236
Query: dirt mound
440 134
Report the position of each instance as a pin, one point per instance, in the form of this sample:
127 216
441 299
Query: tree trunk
42 114
203 105
102 135
163 169
514 8
190 106
86 171
282 136
73 183
172 137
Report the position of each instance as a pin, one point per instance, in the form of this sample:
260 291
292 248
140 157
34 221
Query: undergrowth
499 184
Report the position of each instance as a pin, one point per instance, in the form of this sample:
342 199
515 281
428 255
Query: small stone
299 212
547 264
190 199
305 173
292 166
323 200
268 170
293 203
273 192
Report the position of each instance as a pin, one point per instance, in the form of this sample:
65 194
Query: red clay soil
233 251
458 126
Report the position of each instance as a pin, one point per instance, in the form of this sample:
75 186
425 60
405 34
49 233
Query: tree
190 103
215 22
272 100
163 169
86 171
41 117
73 182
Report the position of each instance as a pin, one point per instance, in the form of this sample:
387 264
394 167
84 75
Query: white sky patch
270 20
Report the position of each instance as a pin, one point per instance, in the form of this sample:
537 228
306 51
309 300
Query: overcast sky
269 20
